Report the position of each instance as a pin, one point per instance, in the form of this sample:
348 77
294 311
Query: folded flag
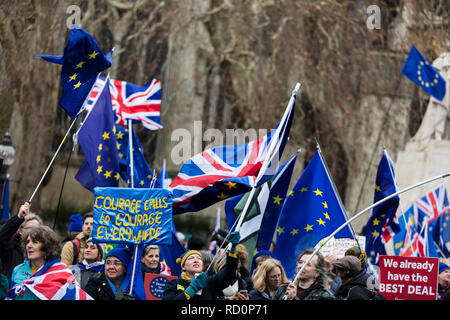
82 62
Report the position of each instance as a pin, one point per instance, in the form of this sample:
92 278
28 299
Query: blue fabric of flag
277 195
170 253
420 71
311 212
141 170
405 221
5 209
99 145
81 63
383 216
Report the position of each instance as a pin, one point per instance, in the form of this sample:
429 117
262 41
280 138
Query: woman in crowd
91 265
31 280
311 284
195 284
114 283
267 279
150 262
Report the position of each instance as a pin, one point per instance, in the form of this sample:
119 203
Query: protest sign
155 285
337 247
138 216
408 278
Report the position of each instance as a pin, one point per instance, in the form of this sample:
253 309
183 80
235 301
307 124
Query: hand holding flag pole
442 176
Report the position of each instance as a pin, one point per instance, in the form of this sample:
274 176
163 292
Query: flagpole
445 175
266 160
53 159
130 145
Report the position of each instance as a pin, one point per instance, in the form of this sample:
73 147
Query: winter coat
67 254
215 283
356 288
315 292
256 295
11 252
83 271
98 288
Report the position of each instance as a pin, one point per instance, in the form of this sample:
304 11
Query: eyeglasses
275 276
113 263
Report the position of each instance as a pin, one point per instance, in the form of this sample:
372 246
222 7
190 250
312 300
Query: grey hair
150 246
33 216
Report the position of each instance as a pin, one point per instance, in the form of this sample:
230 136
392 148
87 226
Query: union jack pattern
432 205
54 281
130 101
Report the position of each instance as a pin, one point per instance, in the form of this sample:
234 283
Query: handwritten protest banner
155 285
408 278
338 247
139 216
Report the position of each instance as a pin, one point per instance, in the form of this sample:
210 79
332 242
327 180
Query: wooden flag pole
442 176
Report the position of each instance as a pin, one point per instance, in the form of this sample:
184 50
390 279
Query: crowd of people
29 251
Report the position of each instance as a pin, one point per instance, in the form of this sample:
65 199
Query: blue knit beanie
443 267
122 254
76 223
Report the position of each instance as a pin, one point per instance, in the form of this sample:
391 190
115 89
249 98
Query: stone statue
436 121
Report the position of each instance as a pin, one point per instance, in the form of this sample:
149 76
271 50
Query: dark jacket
11 253
215 283
99 289
356 288
315 292
256 295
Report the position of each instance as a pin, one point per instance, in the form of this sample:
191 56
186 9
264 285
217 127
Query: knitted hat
76 223
359 253
181 260
443 267
122 254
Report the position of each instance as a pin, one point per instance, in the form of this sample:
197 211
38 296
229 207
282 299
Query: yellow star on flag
318 192
375 233
107 174
376 222
73 77
231 185
93 55
326 215
100 147
325 205
119 135
99 169
308 227
98 158
105 135
77 85
277 200
321 222
303 189
222 196
378 188
80 65
294 232
280 230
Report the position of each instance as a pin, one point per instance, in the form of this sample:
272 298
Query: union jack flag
53 281
432 205
226 171
130 101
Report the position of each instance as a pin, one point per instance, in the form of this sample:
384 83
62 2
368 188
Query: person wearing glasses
113 283
267 280
311 284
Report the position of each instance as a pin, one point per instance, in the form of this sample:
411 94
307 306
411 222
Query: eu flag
82 61
141 170
311 212
420 71
382 224
170 253
406 223
99 145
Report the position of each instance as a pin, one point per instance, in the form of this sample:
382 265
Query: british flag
53 281
130 101
225 171
432 205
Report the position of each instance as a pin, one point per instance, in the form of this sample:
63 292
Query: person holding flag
50 278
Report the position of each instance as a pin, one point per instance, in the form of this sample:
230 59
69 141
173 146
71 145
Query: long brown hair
50 245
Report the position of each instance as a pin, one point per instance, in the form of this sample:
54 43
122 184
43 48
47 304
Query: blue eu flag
382 224
311 212
99 145
82 61
142 172
420 71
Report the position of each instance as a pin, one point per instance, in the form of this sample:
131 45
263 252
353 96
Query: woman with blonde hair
267 279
